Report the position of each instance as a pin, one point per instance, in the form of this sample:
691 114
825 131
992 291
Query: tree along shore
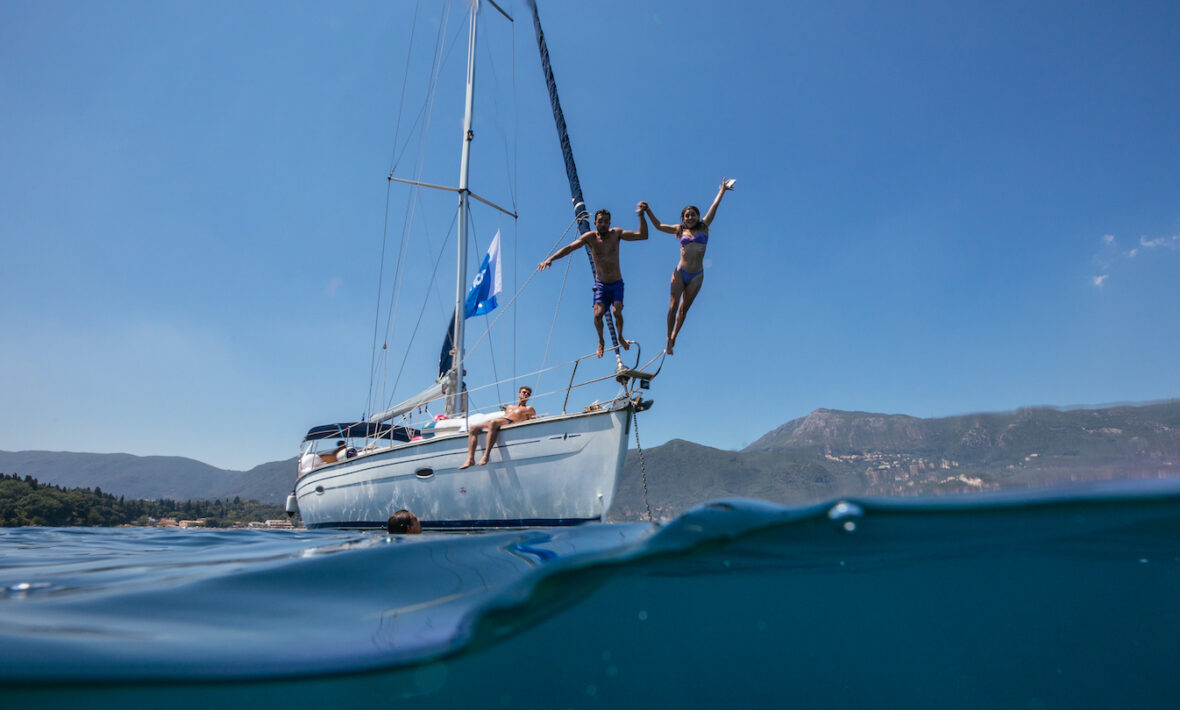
25 501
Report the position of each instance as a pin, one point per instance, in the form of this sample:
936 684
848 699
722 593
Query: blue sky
941 208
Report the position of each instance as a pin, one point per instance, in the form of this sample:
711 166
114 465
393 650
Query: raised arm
642 233
563 252
670 229
725 186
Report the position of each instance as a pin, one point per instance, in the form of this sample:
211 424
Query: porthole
425 472
319 489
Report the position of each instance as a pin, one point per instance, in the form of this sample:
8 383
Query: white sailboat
559 469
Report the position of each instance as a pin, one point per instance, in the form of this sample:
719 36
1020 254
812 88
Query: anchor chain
642 464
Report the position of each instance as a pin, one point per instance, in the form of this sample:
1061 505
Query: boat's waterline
552 471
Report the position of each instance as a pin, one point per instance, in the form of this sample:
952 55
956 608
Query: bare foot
626 343
670 347
467 464
601 346
483 461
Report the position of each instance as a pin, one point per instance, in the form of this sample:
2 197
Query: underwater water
1051 599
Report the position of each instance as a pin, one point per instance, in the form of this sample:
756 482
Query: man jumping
608 286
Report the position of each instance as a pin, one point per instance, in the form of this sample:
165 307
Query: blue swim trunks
608 293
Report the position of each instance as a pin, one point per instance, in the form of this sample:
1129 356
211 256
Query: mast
455 401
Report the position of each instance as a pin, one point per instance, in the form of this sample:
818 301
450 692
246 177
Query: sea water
1055 599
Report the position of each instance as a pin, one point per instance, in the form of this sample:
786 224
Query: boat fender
292 505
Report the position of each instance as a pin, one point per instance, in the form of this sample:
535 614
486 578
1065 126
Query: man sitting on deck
513 414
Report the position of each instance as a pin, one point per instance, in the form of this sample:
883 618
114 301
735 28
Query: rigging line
603 378
478 250
377 310
487 330
395 293
538 393
436 76
458 31
568 157
431 85
495 372
526 283
443 62
642 463
436 71
572 224
542 371
409 137
440 64
385 222
408 215
405 80
441 301
412 198
491 64
515 207
515 124
425 302
501 11
497 115
661 356
515 281
556 310
527 374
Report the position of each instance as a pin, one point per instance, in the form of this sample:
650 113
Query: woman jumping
689 275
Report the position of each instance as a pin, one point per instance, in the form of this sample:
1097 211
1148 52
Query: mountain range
154 477
828 453
831 453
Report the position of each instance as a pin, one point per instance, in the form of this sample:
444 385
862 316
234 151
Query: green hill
152 477
831 453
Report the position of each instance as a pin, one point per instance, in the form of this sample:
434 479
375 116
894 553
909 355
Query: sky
940 208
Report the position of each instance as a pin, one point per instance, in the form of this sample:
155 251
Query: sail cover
424 397
567 152
446 356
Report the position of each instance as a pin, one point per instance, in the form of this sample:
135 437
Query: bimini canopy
359 430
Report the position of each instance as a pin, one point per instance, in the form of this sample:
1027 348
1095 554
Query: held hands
641 209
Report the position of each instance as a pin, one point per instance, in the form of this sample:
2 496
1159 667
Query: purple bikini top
701 239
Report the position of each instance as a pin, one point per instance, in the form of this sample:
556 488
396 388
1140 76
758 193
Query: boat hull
554 471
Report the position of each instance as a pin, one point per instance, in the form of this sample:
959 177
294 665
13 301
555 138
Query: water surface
1050 599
